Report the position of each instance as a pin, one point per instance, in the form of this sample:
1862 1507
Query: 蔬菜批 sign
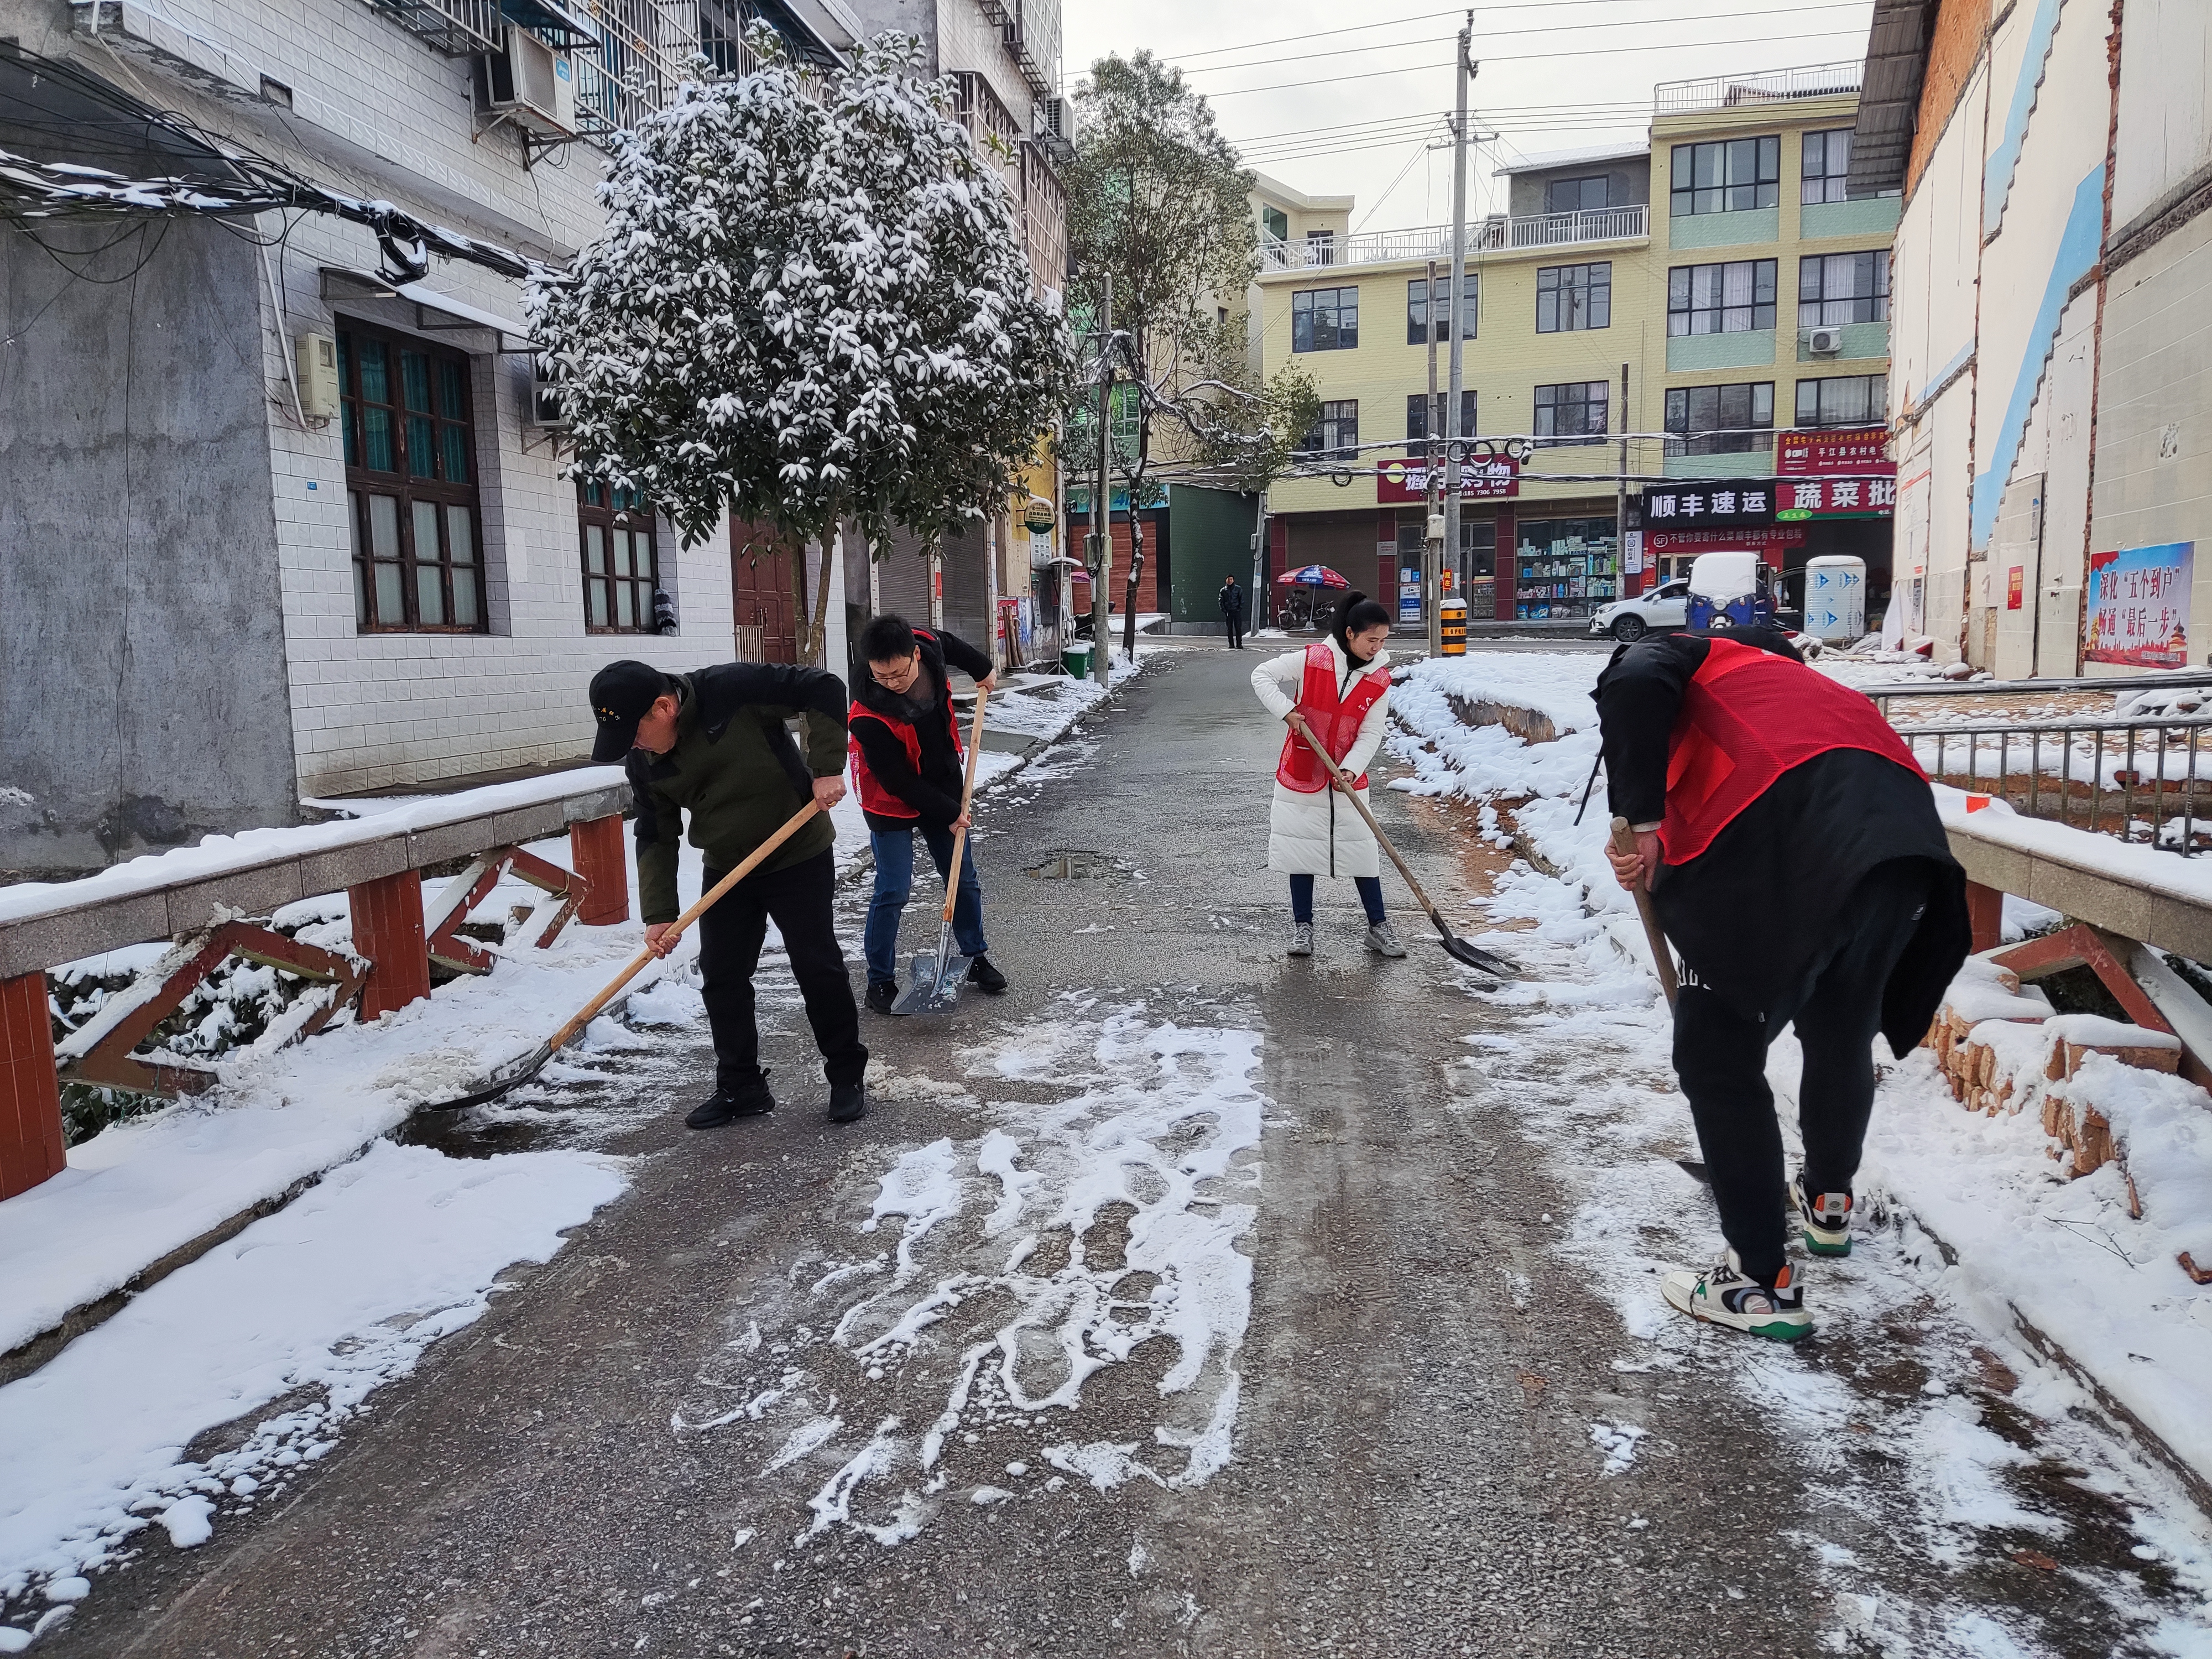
2139 605
1796 499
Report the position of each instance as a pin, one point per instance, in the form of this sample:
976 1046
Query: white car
1667 606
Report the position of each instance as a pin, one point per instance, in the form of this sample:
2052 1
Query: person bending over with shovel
1790 848
907 763
714 743
1340 688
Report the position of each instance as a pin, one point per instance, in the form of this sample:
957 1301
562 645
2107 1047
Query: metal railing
2170 680
456 28
1497 233
2148 779
636 68
1776 86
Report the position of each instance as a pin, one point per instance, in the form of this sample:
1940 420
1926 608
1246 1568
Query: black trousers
1721 1057
1236 627
798 899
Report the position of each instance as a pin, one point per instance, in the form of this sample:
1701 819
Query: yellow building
1629 292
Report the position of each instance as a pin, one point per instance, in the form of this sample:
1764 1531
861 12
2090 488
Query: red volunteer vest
1747 717
874 798
1335 722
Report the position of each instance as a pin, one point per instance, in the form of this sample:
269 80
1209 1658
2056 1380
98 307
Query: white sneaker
1302 939
1825 1222
1724 1295
1382 939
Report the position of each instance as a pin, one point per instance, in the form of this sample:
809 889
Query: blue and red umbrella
1312 575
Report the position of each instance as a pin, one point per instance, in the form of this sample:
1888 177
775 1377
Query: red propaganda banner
1766 540
1487 477
1826 454
1796 499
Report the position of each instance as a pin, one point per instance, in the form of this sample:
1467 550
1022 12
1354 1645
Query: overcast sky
1555 75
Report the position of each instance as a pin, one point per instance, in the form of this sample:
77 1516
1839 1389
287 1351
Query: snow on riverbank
1007 1274
1592 1063
319 1304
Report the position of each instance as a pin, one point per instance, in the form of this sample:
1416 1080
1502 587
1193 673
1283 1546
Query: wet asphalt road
1413 1471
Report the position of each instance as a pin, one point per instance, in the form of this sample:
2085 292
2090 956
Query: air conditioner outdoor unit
1056 117
546 409
529 84
1824 342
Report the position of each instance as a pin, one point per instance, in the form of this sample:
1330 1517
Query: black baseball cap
623 694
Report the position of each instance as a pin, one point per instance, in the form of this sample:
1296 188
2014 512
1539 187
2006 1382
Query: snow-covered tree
809 306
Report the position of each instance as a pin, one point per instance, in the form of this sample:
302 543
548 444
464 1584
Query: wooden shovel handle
590 1011
967 795
1336 777
1663 958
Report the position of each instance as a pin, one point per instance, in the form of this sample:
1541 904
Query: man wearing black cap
714 743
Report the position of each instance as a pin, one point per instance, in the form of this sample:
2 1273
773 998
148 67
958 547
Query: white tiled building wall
377 114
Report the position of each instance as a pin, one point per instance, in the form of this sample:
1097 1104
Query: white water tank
1835 598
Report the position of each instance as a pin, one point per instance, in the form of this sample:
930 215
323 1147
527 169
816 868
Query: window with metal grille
1722 299
1712 420
1419 424
409 439
1827 159
1835 288
1729 177
1336 436
1843 400
1417 309
1573 413
1572 297
1325 319
621 565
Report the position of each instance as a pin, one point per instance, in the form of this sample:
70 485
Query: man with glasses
909 766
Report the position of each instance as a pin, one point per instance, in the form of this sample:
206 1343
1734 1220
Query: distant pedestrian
1340 687
1792 850
907 763
1232 613
714 743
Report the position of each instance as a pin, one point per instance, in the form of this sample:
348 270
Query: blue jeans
1370 896
894 851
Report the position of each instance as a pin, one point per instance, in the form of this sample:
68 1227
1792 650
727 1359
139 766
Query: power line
1400 22
1539 58
1555 28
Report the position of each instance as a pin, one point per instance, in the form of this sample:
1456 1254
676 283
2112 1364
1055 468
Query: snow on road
318 1305
1918 1360
1060 1298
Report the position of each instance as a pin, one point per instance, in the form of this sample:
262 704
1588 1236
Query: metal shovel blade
933 986
1479 959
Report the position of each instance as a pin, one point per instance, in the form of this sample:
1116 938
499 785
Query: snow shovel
1459 948
1623 842
518 1072
934 984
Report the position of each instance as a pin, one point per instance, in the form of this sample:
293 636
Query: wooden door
760 589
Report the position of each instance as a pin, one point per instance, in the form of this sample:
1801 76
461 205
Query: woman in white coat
1341 686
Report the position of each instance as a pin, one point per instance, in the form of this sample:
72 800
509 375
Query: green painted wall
1211 531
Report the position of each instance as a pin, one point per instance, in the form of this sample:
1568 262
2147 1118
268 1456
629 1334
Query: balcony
1496 235
1750 91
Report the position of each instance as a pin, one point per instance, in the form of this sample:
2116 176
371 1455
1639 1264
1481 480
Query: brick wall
1961 27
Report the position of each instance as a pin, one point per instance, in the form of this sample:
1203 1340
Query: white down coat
1319 834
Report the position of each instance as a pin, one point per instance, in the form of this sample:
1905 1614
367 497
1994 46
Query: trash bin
1451 627
1076 660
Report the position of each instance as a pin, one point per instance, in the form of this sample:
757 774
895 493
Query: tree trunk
799 602
817 631
1136 570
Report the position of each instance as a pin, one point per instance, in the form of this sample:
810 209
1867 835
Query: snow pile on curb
330 1299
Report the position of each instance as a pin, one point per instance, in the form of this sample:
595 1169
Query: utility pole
1253 606
1101 500
1454 436
1433 491
1620 502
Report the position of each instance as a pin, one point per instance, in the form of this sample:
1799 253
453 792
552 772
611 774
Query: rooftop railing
1775 86
1496 235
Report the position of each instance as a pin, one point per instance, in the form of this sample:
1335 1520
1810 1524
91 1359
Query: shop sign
2013 586
1766 540
1855 453
2138 611
1708 504
1798 499
1482 477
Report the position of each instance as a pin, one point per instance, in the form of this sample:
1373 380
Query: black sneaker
985 978
848 1102
747 1100
882 992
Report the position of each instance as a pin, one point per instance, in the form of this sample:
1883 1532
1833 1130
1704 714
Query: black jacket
735 769
1233 600
933 789
1751 912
